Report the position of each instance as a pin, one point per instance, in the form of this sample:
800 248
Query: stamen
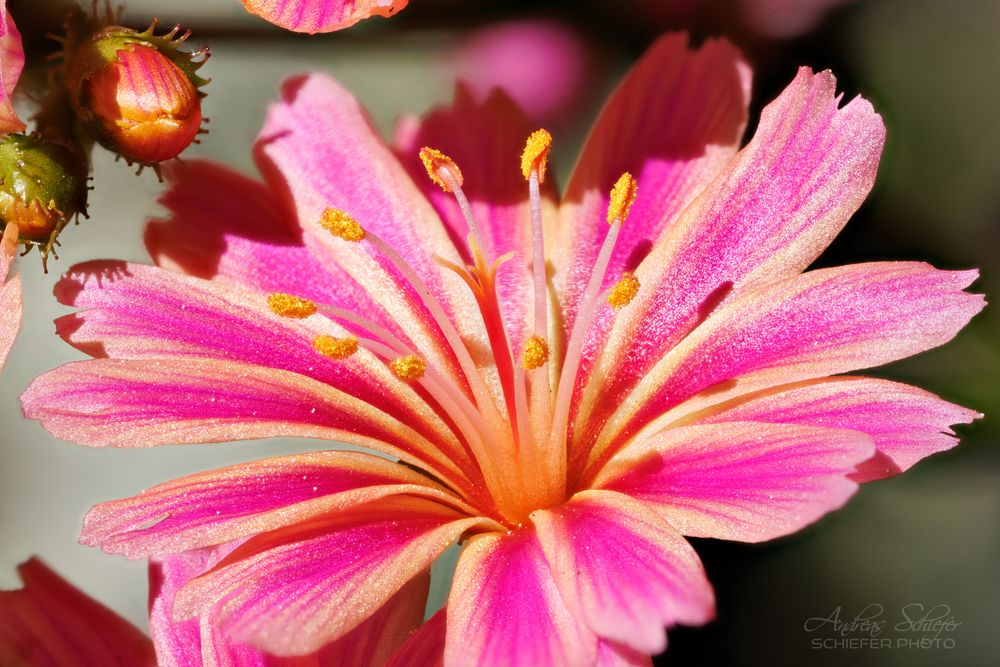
341 224
441 169
536 154
622 197
287 305
408 368
535 353
623 291
335 348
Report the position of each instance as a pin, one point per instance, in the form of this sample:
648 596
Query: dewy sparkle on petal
567 390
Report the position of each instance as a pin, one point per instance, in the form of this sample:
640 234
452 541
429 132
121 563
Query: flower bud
136 93
42 185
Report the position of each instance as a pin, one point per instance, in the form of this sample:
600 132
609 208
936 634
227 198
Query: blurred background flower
927 537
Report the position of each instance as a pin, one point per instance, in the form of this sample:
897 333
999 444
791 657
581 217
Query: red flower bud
137 94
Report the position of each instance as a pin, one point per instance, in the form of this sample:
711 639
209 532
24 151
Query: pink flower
314 16
11 64
673 371
10 293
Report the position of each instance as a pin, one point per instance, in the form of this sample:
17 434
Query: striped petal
141 312
11 64
743 481
505 610
767 216
176 400
313 16
817 324
293 590
198 642
906 423
51 623
225 226
673 123
10 293
219 506
622 569
318 147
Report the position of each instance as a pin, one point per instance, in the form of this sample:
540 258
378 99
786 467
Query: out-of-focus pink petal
198 642
248 499
142 403
293 590
10 293
745 481
906 423
809 326
541 64
767 216
622 569
504 609
314 16
673 123
11 64
51 623
318 149
485 138
610 654
425 647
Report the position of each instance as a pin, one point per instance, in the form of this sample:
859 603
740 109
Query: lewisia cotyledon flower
570 390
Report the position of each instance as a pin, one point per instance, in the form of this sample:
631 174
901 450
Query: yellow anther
535 353
536 154
622 197
408 368
335 348
339 223
624 291
287 305
434 161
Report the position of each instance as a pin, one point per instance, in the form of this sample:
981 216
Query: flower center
520 444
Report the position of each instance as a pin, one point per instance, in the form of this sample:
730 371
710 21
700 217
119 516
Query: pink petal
622 569
295 589
813 325
248 499
314 16
11 64
485 138
227 227
141 312
425 647
319 149
196 642
51 623
172 400
610 654
767 216
906 423
743 481
673 123
505 610
10 292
